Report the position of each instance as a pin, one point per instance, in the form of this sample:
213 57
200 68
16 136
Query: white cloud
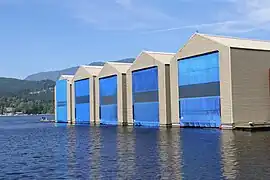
238 16
249 15
195 26
119 14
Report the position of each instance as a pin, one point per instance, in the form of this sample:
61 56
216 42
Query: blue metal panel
82 87
108 86
108 114
146 110
61 101
82 113
145 80
200 112
199 103
199 69
146 113
82 108
108 100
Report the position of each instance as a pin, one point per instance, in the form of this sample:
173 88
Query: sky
45 35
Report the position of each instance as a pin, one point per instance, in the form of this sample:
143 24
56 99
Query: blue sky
48 35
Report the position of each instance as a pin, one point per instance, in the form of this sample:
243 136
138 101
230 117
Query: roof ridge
118 63
231 37
86 66
156 52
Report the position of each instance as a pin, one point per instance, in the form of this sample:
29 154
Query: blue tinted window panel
82 113
145 80
108 114
200 112
146 114
199 69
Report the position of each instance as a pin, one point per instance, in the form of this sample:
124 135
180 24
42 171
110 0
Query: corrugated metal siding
82 105
168 94
124 98
199 91
145 96
108 100
250 86
61 101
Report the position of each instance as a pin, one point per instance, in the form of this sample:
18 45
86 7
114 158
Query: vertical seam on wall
230 78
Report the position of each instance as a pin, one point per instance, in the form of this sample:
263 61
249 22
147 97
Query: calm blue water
30 149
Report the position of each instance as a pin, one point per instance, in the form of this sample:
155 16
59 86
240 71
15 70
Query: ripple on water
33 150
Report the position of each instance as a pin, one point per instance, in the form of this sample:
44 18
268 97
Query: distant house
9 109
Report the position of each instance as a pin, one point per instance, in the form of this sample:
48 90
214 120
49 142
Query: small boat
44 119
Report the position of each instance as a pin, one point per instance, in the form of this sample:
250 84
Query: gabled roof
238 42
92 70
121 67
162 57
68 77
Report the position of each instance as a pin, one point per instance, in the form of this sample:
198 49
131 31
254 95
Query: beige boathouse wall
198 45
144 61
80 75
69 100
250 86
107 71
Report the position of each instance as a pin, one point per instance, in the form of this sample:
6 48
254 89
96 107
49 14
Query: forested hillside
31 97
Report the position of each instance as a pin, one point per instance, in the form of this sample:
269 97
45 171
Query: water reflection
71 151
169 153
251 151
200 154
147 155
229 156
85 152
108 152
126 153
95 150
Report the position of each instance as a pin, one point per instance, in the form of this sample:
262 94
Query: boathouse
221 82
148 89
83 93
111 93
62 99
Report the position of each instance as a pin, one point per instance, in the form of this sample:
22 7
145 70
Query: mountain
30 97
17 87
54 75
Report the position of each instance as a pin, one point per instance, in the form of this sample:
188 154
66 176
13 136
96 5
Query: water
30 149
